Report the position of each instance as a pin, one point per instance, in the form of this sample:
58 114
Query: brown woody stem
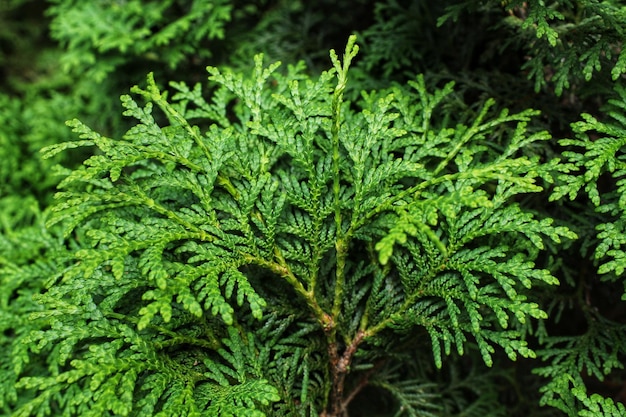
340 367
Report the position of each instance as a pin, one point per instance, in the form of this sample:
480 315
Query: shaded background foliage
62 59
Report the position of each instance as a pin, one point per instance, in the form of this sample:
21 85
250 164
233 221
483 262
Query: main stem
341 244
339 362
340 367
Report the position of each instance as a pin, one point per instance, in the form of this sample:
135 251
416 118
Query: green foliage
594 353
375 219
596 154
393 236
28 125
595 169
23 270
100 36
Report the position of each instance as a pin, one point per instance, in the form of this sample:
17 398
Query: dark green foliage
567 42
595 353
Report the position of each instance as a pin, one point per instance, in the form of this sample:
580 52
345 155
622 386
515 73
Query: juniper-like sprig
594 174
252 253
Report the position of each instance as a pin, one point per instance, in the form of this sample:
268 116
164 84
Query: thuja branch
154 94
174 338
496 171
282 269
339 362
341 244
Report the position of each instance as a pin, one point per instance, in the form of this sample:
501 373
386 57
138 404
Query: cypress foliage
394 231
